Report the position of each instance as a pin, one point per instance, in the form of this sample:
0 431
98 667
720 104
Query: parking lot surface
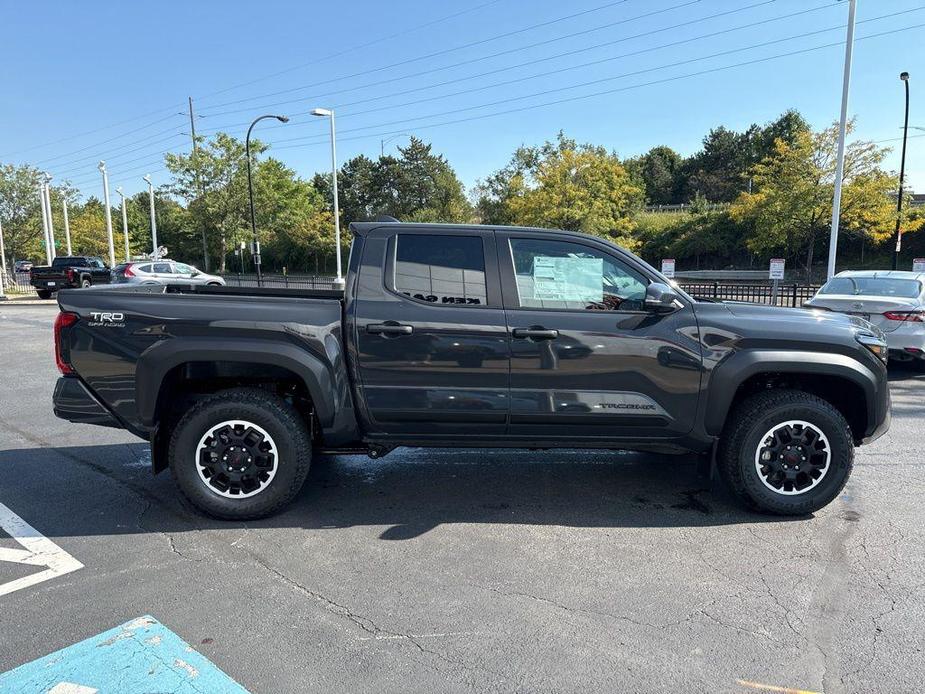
467 570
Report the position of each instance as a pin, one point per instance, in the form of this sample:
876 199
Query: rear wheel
786 452
240 454
85 282
43 293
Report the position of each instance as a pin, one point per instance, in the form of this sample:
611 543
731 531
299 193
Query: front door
431 337
587 359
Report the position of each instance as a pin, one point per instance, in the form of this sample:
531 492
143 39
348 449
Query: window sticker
568 279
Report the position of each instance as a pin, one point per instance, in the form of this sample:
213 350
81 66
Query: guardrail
792 295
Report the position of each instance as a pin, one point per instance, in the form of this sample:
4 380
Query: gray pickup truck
478 337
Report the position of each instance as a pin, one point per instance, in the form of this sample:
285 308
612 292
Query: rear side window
447 270
162 268
143 268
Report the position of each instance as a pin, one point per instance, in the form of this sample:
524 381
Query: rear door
587 359
432 344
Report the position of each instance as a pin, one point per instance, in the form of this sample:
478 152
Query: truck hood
800 318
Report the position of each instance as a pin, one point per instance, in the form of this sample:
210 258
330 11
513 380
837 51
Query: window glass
564 275
441 269
873 286
162 268
143 268
184 269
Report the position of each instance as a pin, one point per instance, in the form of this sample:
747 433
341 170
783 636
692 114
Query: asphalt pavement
468 570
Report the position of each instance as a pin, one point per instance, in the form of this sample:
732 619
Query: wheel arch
845 383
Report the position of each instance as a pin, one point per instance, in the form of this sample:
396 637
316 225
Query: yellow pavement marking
773 688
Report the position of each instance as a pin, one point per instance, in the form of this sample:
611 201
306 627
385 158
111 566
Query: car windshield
873 286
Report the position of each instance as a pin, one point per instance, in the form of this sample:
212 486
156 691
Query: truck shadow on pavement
109 490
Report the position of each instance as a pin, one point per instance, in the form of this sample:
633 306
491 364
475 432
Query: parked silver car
894 301
161 272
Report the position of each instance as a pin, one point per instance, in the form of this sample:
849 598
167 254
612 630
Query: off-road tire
741 439
276 417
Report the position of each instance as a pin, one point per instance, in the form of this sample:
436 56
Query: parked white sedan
894 301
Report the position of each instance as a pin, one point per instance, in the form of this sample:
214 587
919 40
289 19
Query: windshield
873 286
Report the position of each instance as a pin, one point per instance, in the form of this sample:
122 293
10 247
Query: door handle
535 333
390 328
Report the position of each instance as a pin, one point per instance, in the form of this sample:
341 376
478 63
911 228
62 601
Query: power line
590 82
434 54
95 156
354 48
119 156
604 92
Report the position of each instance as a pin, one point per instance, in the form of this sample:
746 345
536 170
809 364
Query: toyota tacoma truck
471 336
68 272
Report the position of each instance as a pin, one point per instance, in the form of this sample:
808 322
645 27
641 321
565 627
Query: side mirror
660 298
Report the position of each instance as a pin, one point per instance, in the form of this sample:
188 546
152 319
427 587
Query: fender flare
156 362
735 370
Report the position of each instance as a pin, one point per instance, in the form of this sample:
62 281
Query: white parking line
38 551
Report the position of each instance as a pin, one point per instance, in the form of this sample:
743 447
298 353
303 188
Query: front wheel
786 452
240 454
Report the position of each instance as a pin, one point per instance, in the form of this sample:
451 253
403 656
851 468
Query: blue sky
124 71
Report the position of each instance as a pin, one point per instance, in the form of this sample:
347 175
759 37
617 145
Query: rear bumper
74 403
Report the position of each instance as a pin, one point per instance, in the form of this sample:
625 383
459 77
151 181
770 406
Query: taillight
913 316
128 271
70 275
64 320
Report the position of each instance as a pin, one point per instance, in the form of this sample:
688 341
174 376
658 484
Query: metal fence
17 284
787 294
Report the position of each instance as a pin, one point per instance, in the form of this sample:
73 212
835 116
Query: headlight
875 345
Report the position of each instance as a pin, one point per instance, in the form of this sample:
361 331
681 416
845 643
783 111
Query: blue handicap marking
141 656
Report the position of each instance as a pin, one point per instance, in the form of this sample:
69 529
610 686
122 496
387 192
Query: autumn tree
790 207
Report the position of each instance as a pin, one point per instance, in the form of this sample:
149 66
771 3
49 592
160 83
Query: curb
27 302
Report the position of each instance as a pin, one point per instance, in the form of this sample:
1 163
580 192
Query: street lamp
329 113
250 191
897 234
124 223
147 179
112 248
44 220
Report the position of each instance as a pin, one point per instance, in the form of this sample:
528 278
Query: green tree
21 213
790 207
659 172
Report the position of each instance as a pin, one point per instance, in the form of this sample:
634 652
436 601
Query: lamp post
147 179
124 223
112 248
842 132
45 221
250 192
897 234
51 224
67 226
329 113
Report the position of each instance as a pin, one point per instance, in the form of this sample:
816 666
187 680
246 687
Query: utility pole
67 227
898 235
842 131
45 223
192 129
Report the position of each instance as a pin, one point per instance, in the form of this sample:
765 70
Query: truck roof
363 228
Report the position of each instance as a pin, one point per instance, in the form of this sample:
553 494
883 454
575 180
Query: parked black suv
471 336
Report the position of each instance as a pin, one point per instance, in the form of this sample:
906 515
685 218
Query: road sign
918 265
668 267
776 270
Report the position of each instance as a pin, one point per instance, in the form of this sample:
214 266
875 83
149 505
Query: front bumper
882 415
74 403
